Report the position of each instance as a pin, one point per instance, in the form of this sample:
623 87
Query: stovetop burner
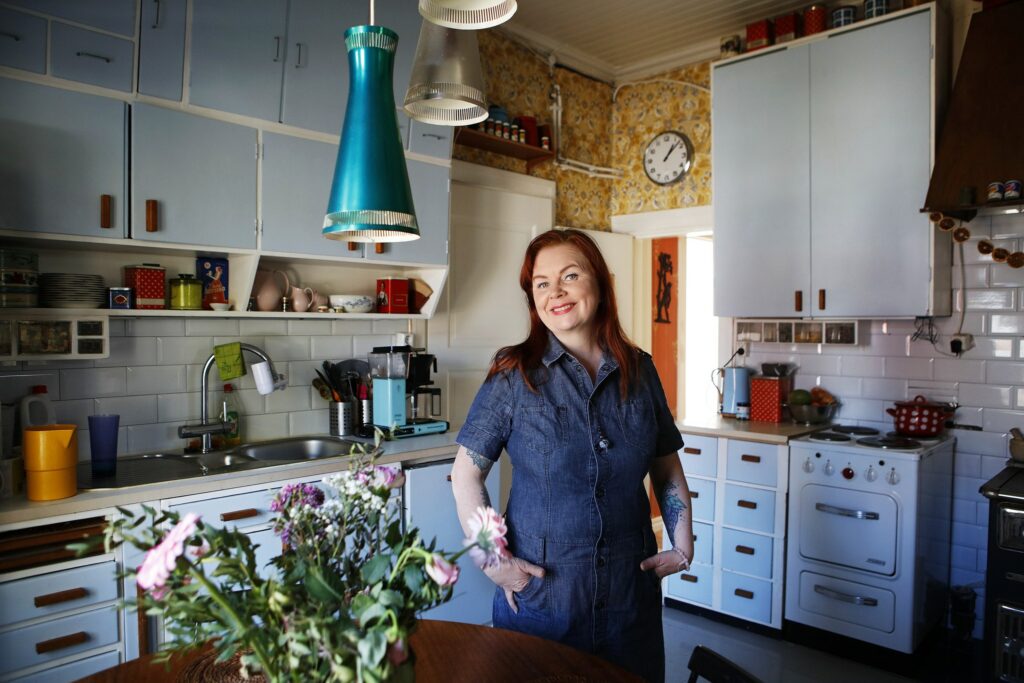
829 436
855 430
898 443
923 439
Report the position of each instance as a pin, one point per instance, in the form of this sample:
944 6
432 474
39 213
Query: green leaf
390 598
374 570
372 647
413 578
319 588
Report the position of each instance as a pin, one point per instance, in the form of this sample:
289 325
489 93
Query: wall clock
668 157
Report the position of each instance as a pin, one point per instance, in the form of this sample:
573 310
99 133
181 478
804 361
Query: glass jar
186 293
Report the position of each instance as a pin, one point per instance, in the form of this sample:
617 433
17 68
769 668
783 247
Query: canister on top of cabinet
815 19
788 27
759 35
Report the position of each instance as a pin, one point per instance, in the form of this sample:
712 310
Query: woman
582 414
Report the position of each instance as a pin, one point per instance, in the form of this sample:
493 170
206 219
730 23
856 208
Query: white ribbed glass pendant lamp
467 14
447 84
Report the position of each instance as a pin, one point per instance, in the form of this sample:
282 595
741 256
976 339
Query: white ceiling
619 40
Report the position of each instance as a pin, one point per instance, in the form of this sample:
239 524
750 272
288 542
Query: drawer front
74 670
747 553
747 597
699 455
750 508
754 463
58 638
22 41
847 601
39 596
78 54
702 497
241 510
703 542
434 141
694 585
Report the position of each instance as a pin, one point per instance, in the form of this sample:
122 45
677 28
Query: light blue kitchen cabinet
78 54
61 152
238 53
116 16
22 41
430 506
162 48
404 19
434 141
430 189
200 172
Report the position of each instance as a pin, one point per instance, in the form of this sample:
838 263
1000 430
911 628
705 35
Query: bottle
36 408
231 413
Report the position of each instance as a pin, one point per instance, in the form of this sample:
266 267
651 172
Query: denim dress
578 506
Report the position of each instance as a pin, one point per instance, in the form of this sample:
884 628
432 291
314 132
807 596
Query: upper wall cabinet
162 48
116 16
62 161
79 54
822 154
430 192
22 41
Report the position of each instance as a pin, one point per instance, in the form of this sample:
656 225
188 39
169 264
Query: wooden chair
711 666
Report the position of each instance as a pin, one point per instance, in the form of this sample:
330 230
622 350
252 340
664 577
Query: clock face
668 157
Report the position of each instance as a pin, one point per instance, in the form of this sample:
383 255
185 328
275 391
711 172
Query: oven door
854 529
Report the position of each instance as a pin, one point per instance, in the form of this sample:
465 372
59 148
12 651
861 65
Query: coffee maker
405 399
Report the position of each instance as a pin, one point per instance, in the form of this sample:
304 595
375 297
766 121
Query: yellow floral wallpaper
597 131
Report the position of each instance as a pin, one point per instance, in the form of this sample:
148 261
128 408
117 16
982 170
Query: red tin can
149 282
815 19
393 294
767 396
788 27
759 35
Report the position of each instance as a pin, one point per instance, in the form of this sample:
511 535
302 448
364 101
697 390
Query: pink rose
487 537
160 561
443 572
398 652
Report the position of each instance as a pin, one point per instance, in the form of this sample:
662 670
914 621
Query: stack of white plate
71 290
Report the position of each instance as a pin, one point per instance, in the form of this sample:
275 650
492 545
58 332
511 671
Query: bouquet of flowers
338 604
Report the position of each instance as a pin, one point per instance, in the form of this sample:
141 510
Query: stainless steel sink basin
299 448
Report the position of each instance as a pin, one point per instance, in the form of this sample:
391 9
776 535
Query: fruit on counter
800 397
821 397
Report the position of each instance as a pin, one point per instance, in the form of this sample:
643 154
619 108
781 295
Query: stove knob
848 473
893 477
871 474
829 468
808 465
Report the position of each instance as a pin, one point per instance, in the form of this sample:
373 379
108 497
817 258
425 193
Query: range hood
982 140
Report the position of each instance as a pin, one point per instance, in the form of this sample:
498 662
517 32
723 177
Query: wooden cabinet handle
821 299
798 301
694 494
62 642
378 247
745 550
59 597
151 216
750 458
692 451
239 514
689 578
352 246
105 204
749 504
740 592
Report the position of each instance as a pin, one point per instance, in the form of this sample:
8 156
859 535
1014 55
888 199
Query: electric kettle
735 385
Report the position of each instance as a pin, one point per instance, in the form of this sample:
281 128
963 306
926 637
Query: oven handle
845 512
845 597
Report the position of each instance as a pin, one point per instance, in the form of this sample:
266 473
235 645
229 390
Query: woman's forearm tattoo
672 507
484 465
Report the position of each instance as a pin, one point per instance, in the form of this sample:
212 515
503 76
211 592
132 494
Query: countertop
20 510
763 432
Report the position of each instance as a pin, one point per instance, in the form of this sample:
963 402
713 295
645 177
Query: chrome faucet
205 428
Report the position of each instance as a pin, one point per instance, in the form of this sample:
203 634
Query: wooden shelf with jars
470 137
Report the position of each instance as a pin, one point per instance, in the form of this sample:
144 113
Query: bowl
352 303
221 307
813 415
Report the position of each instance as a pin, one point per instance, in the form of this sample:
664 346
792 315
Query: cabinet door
403 18
870 149
316 73
762 185
22 41
116 16
237 56
162 48
431 507
430 190
79 54
60 152
296 183
201 172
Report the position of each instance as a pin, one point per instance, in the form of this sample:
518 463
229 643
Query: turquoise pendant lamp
371 200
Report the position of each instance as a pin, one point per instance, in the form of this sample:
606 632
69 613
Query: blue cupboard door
116 16
22 41
201 173
402 17
60 153
162 48
430 506
79 54
237 56
430 190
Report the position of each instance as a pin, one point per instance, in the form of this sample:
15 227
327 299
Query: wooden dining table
445 652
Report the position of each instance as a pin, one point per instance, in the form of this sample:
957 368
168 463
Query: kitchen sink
299 448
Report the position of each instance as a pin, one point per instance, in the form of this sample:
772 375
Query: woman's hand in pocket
512 575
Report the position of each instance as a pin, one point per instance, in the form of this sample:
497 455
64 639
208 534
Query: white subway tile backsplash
260 328
303 372
843 387
972 255
991 466
1005 225
337 347
134 410
982 443
129 351
985 395
1020 398
92 382
970 535
251 402
1007 323
963 557
385 326
156 327
16 385
183 350
290 399
75 412
862 366
364 344
862 409
352 327
959 370
157 379
309 327
116 327
976 277
889 344
200 327
967 465
179 408
990 299
282 349
1004 372
909 368
1001 421
309 422
965 511
1001 275
85 448
259 427
888 389
153 437
817 365
991 347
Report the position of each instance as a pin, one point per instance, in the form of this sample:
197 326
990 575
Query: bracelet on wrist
682 558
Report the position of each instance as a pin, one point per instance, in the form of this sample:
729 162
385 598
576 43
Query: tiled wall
988 382
153 376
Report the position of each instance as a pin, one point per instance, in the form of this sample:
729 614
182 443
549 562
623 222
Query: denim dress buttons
578 506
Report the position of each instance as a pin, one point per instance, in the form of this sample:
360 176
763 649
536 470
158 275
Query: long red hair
528 354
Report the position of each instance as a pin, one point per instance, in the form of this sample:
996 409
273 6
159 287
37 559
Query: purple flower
381 477
487 537
161 560
297 495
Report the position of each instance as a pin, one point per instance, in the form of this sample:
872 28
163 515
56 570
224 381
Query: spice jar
186 293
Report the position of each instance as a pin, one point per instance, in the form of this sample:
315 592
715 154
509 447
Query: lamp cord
371 13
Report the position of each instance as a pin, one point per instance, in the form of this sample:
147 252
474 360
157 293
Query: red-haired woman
582 414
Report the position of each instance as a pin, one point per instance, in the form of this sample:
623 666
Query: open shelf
8 313
969 212
492 143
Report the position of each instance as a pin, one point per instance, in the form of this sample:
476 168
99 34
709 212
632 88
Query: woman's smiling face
564 290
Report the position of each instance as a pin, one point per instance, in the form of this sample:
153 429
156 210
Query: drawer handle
239 514
151 216
750 458
845 597
692 451
93 55
845 512
59 597
694 494
821 299
105 205
277 48
156 19
689 578
749 504
798 301
13 36
744 593
352 246
745 550
298 60
378 247
433 135
62 642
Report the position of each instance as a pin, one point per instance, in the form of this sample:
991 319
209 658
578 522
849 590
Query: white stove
868 536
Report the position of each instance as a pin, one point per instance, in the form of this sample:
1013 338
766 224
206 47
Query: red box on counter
759 34
788 27
393 294
767 396
149 282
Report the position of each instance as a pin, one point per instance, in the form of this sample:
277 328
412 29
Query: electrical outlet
959 343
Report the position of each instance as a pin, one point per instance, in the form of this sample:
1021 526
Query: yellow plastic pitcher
51 459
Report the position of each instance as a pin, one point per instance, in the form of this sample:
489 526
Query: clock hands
670 150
